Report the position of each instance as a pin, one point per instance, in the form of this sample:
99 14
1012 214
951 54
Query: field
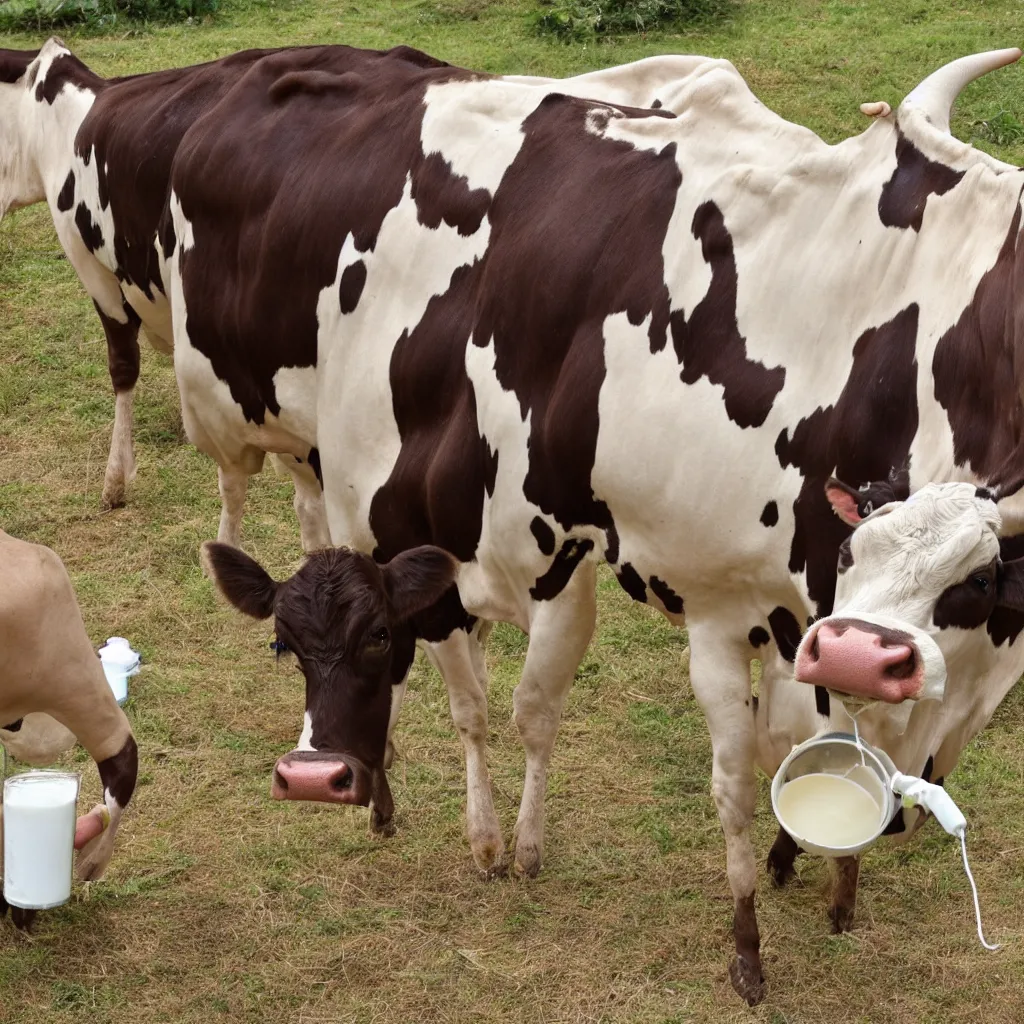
221 905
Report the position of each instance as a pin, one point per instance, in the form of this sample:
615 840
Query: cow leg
456 660
123 363
844 895
560 630
118 775
233 484
781 858
310 510
720 677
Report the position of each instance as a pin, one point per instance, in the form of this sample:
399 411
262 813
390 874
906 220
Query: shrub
581 19
34 15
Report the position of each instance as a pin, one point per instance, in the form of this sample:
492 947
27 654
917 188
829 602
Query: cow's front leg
467 697
233 484
720 676
844 895
118 774
560 630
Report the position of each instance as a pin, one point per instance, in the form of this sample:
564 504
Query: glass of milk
40 811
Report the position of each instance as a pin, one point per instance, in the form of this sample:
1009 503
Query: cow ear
241 579
417 578
1010 585
843 500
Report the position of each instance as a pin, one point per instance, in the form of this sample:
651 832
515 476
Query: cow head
918 583
347 621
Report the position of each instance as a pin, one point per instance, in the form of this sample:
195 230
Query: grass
223 906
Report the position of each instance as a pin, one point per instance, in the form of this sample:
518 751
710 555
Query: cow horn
935 96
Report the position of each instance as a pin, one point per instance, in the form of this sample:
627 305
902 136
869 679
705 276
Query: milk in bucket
40 811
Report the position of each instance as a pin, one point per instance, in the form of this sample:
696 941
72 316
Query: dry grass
221 905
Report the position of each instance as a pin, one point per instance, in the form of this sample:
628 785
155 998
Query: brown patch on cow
315 83
66 196
786 630
709 343
770 514
906 193
758 636
861 438
13 727
353 277
543 535
554 581
14 64
89 231
672 602
123 358
355 174
822 701
556 270
118 773
66 69
745 970
968 604
440 195
845 555
631 582
978 372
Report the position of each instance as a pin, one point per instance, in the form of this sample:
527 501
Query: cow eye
380 638
981 582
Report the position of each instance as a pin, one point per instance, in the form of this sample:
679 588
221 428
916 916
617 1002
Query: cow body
550 330
53 692
99 152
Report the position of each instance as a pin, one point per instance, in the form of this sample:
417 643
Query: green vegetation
582 19
222 906
99 15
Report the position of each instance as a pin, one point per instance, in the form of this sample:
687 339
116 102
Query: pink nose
327 778
862 660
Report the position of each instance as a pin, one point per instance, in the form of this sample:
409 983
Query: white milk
40 810
829 810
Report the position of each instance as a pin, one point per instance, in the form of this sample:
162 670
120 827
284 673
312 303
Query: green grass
223 906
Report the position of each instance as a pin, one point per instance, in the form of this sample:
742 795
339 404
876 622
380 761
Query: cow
553 330
53 692
99 153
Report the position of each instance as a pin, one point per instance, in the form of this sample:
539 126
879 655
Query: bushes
34 15
580 19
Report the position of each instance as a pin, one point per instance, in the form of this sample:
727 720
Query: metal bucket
40 812
843 764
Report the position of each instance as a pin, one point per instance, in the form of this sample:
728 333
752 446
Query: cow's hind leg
560 630
844 895
309 508
233 481
781 858
457 661
720 676
123 363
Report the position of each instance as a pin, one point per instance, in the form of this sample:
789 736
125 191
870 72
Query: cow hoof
113 495
382 827
747 980
841 918
527 862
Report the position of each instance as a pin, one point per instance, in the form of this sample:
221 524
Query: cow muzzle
321 776
871 659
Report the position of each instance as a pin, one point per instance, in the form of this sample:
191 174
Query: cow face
20 183
346 620
918 583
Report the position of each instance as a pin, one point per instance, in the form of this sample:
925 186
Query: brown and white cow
554 330
99 153
53 692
